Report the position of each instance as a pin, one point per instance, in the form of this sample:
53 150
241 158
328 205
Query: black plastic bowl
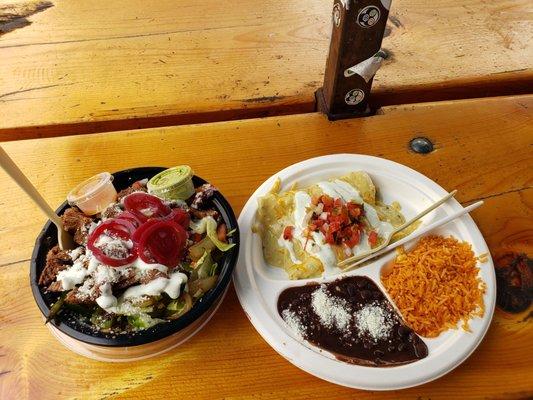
69 322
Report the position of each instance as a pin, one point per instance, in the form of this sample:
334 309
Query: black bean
379 353
401 346
365 294
361 283
403 331
421 350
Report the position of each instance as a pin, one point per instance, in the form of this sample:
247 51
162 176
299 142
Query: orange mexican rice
436 285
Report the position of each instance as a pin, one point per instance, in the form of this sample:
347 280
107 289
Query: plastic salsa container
94 194
173 183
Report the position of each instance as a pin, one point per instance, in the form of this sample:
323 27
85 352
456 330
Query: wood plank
228 358
90 66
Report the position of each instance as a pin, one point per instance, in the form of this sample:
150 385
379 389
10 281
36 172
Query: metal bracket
354 57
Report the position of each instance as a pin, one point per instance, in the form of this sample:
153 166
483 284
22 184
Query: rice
436 285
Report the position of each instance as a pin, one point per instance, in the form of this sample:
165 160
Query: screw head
421 145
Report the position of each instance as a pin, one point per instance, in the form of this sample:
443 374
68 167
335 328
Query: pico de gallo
341 223
144 259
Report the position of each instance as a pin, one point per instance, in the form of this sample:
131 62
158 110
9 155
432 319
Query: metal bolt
421 145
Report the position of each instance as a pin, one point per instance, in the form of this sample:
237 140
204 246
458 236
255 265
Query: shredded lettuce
143 321
176 308
212 234
197 250
205 266
209 242
200 226
230 233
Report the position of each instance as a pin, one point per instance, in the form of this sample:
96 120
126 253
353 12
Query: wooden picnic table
95 66
482 148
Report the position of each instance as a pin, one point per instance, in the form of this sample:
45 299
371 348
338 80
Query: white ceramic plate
258 284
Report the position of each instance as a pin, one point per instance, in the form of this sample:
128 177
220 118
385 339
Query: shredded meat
135 187
202 195
56 260
75 297
55 287
77 224
126 280
151 275
199 214
112 211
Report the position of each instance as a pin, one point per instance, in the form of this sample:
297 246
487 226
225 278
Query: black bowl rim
162 330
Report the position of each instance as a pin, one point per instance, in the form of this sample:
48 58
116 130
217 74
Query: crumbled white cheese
75 253
374 321
106 274
331 310
113 246
86 290
294 323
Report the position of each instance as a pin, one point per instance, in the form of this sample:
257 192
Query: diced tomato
337 203
288 232
354 237
339 218
372 238
327 201
196 237
354 209
330 239
334 227
319 222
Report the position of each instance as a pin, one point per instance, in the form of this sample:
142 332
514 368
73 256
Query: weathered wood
483 148
14 14
88 66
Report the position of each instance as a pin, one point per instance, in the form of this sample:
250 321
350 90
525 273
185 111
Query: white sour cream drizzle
170 286
72 276
341 189
142 266
316 245
287 244
104 276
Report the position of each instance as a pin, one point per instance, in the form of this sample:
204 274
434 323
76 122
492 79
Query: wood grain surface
483 149
93 66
